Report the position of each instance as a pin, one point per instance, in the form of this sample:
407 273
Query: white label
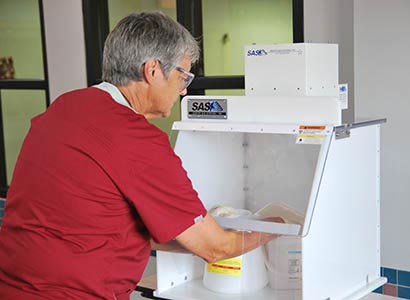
294 265
343 96
311 134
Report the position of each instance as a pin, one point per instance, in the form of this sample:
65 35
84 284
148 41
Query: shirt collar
115 93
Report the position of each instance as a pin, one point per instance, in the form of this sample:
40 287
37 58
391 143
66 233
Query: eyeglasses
187 79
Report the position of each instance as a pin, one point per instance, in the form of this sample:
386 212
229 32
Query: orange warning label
232 267
306 127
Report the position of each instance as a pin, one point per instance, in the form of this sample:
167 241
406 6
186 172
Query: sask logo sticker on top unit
256 52
207 109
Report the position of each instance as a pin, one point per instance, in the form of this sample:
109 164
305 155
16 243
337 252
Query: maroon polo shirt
94 181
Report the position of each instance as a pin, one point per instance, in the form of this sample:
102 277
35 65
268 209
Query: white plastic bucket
239 275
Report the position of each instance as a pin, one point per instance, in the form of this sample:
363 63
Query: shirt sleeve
158 187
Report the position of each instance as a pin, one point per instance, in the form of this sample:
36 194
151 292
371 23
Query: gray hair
138 38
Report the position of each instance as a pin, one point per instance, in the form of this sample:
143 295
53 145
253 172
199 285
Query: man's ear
151 70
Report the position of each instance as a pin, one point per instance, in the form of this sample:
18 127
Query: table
148 284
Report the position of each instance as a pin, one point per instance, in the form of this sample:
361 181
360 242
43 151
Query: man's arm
211 242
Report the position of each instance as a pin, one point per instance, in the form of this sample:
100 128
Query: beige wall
65 45
331 21
382 64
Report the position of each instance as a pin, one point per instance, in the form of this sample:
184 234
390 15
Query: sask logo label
207 106
257 52
207 109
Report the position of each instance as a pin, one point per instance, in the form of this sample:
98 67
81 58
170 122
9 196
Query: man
95 182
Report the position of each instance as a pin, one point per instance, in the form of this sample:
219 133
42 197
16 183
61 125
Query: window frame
22 84
189 14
